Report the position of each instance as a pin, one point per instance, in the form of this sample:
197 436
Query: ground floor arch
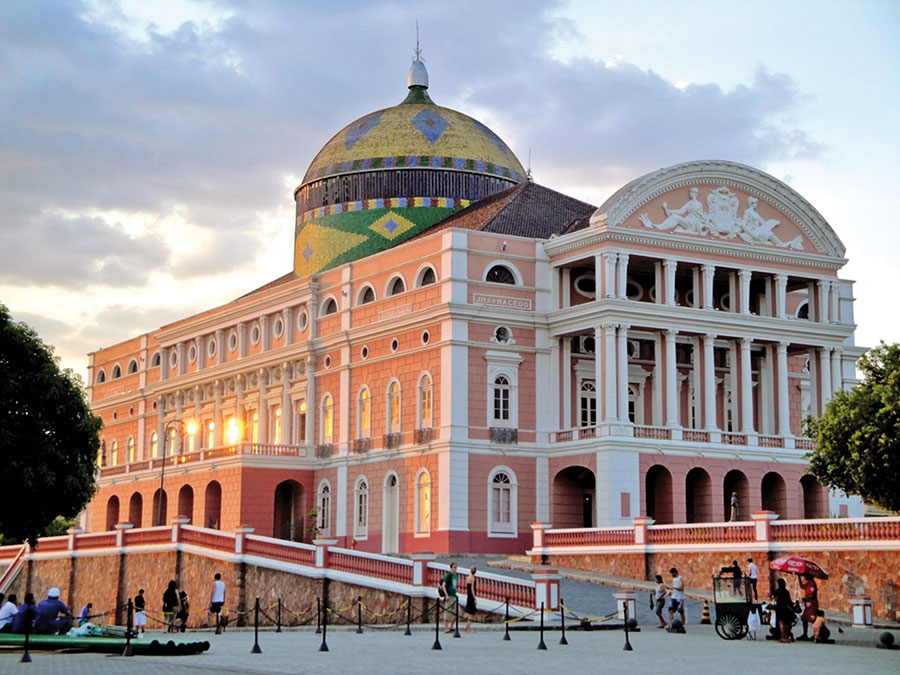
698 496
186 503
573 498
815 497
289 511
136 510
112 513
658 500
773 493
735 482
160 507
212 505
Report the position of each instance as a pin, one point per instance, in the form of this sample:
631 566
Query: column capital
218 386
708 269
709 337
610 256
782 347
671 334
780 278
745 273
623 327
623 257
668 262
746 342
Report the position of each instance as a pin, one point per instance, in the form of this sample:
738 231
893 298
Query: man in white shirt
8 610
677 602
217 600
753 574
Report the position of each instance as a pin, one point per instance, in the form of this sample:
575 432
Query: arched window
632 404
396 286
327 419
502 503
130 446
154 445
426 277
364 414
426 405
170 442
587 404
500 399
330 307
323 508
423 503
114 453
361 510
132 367
803 311
393 407
366 296
116 372
101 377
500 274
155 360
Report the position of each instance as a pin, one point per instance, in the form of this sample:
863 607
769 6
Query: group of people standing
785 611
448 593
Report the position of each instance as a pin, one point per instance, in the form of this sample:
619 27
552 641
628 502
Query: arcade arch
658 494
572 501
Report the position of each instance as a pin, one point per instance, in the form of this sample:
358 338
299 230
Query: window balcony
324 450
422 436
391 441
361 446
504 435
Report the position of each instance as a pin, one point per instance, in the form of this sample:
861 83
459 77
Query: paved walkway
376 652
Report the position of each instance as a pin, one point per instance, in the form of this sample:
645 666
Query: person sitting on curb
821 632
23 621
52 616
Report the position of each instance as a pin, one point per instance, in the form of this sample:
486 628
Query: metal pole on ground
408 615
541 644
359 615
437 625
26 655
256 649
456 619
627 647
278 627
130 613
506 622
562 618
324 646
318 616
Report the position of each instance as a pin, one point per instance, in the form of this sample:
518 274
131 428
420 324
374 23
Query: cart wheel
730 627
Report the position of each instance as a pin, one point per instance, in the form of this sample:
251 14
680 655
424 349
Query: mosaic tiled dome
393 173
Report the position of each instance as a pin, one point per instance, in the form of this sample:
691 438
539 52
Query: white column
835 302
182 361
566 378
671 381
744 276
825 378
200 346
286 412
609 273
670 266
623 276
784 410
746 389
780 295
243 347
160 426
179 401
766 417
312 406
220 346
814 381
217 415
824 304
708 273
836 369
610 407
658 282
263 408
163 363
239 404
657 418
709 383
696 385
622 368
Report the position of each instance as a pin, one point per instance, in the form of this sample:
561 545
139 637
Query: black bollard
128 623
29 617
456 619
278 626
437 625
318 617
562 618
627 647
541 644
256 649
408 615
359 615
506 622
324 646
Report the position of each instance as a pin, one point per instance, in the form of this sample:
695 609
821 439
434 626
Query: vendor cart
732 600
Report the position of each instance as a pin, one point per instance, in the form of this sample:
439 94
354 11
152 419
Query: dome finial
418 76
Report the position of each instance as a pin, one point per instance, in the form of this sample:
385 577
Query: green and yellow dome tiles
416 138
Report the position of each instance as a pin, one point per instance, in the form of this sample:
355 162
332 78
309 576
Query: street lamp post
180 428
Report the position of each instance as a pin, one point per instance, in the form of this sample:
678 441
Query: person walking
677 602
471 599
753 575
170 606
184 610
217 600
784 611
659 600
140 612
451 606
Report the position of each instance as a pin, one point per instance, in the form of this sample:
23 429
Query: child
821 632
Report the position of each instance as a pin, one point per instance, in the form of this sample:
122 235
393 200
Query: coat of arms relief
720 219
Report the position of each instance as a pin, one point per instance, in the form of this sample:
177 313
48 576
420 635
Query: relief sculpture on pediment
720 219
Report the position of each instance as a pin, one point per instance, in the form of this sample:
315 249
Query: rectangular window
501 404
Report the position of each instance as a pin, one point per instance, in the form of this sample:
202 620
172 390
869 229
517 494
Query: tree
48 435
858 437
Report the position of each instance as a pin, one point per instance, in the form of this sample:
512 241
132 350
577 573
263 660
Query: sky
149 149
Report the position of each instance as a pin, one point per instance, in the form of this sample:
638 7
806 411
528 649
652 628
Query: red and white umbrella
797 565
